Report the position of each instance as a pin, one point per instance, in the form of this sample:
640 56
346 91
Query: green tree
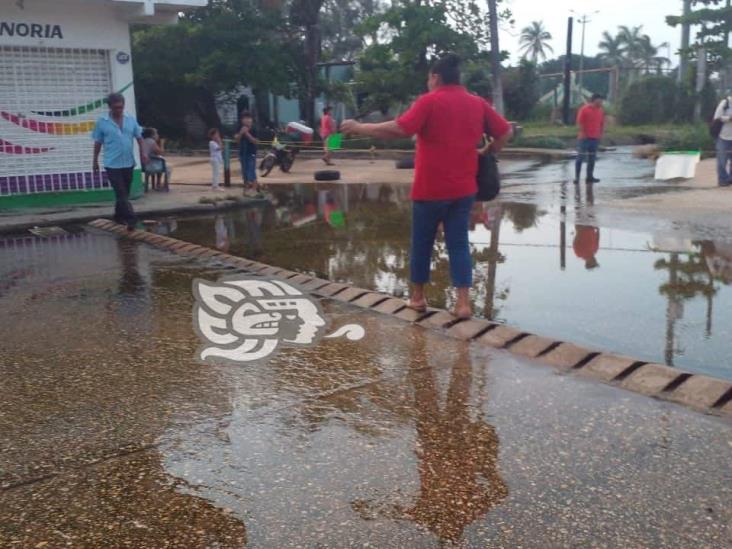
182 68
649 56
612 50
339 20
714 18
395 71
535 42
521 90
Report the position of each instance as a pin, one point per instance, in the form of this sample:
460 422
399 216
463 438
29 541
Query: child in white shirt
217 160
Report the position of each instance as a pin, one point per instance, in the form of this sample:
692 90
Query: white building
58 60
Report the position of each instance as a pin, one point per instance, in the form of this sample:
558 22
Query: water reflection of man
457 451
131 304
586 244
254 217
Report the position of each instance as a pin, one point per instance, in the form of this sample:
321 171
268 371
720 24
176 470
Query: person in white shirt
724 141
217 160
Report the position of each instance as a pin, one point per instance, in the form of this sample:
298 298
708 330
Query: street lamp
584 19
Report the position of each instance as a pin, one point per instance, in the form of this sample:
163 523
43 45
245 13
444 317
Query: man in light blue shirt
116 131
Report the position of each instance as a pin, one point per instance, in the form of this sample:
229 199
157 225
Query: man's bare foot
417 305
463 312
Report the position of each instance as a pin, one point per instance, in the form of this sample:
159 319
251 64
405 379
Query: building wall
58 59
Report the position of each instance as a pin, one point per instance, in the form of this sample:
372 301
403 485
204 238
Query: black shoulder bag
715 128
488 178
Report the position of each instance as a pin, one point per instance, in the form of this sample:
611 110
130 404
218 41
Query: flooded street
110 430
549 258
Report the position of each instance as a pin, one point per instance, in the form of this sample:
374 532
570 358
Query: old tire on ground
327 175
405 164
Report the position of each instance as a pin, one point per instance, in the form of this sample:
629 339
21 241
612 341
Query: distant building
58 60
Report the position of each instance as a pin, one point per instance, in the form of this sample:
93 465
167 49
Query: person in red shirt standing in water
591 123
449 123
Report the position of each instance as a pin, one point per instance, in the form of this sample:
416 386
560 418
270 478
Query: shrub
688 138
649 101
521 90
659 100
539 142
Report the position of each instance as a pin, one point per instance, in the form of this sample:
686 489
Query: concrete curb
696 391
47 219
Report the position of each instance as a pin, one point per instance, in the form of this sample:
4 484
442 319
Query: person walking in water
116 132
591 124
327 128
449 122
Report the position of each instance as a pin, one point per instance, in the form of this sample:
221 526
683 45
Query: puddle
110 429
636 293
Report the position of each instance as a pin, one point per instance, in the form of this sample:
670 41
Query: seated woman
156 166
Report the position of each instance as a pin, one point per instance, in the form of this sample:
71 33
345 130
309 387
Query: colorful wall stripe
10 148
81 109
19 184
53 128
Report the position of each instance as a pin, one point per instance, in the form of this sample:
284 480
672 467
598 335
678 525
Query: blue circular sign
123 57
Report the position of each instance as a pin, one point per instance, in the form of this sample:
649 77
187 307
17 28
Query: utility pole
567 75
701 78
584 19
683 57
495 57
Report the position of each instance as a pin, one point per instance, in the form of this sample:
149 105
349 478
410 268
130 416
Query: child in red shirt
327 128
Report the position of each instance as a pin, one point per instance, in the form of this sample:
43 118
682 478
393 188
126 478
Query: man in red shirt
591 123
449 122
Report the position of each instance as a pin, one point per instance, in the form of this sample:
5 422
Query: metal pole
701 77
495 58
567 74
683 57
584 21
227 162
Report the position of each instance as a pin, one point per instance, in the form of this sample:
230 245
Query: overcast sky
612 13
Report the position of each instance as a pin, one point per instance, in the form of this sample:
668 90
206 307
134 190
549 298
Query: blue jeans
724 157
586 148
248 167
455 218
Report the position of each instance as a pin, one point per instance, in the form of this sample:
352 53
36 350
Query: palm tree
632 41
612 50
534 41
649 54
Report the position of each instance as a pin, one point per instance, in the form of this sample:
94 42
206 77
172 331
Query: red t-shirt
586 241
326 126
449 123
590 120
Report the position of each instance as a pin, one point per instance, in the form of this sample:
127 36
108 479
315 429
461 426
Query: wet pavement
111 434
550 258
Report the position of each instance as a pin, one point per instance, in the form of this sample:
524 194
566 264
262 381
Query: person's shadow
457 451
